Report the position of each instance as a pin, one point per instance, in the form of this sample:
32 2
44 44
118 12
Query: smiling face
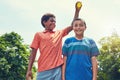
48 21
79 27
50 24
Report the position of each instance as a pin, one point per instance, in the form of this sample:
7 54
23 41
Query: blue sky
23 16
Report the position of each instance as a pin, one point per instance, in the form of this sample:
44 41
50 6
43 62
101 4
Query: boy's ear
43 22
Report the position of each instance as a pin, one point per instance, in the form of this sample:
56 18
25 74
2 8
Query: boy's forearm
94 68
77 10
63 68
63 71
76 14
95 72
31 59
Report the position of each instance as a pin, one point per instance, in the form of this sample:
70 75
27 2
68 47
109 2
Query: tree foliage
109 59
13 57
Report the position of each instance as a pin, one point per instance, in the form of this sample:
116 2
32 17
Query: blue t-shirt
79 53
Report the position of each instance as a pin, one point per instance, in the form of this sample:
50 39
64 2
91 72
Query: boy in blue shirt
80 53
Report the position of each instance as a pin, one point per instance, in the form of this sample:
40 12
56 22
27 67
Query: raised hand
78 5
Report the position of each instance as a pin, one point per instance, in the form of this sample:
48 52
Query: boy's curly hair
46 17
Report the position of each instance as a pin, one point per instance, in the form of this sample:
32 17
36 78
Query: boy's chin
51 29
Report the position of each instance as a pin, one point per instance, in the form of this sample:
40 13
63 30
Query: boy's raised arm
76 15
78 6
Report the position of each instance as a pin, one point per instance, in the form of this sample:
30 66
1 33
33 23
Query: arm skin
63 67
94 67
76 15
31 61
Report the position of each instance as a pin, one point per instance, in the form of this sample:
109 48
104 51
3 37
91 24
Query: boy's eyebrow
53 20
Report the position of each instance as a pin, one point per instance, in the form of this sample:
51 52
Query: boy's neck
79 37
48 30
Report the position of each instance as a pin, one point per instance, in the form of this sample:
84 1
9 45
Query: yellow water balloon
79 4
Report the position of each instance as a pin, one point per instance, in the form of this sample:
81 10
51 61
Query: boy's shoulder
90 40
70 39
87 38
38 34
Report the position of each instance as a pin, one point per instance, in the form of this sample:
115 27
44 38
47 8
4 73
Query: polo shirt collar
45 31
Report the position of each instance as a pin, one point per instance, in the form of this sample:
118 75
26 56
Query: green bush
14 56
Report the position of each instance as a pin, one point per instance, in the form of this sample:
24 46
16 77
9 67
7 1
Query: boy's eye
81 25
52 21
76 25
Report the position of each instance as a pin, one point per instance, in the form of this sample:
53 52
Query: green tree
109 59
14 57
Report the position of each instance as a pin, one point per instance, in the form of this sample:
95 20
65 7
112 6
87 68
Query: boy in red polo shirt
49 43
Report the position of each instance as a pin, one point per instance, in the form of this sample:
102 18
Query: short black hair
46 17
78 19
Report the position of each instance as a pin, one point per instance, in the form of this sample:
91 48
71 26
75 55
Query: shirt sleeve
36 41
65 48
94 48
